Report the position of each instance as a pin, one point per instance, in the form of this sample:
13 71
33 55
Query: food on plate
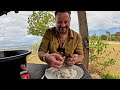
66 73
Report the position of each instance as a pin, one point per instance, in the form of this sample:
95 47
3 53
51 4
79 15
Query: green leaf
39 22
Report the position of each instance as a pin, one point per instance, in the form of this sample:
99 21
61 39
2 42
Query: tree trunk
83 30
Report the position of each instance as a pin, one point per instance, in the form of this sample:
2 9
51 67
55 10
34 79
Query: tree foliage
40 21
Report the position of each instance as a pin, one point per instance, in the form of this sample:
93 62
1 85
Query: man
61 45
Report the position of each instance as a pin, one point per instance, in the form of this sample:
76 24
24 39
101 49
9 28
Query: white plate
50 72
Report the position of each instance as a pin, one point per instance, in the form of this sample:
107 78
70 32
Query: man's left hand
74 58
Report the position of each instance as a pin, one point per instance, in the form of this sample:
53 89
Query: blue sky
13 26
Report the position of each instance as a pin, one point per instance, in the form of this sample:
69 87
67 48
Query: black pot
10 62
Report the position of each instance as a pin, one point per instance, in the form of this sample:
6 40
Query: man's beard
63 30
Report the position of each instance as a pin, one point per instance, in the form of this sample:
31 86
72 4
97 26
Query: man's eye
59 22
65 22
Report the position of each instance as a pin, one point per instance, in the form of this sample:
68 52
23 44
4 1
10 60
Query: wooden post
83 30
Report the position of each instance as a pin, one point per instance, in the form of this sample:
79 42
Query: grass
110 76
112 53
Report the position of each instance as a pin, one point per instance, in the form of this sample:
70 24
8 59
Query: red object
22 67
24 74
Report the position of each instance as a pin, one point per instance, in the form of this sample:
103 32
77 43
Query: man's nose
63 25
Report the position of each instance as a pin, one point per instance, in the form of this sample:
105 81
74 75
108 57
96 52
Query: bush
110 76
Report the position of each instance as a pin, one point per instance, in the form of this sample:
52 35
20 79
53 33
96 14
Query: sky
13 26
103 19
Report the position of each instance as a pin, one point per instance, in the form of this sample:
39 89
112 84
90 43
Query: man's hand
74 59
54 60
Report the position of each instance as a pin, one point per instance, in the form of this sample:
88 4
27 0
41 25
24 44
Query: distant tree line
111 37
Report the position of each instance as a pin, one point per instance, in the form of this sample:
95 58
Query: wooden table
37 71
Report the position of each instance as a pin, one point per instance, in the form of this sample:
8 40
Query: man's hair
69 12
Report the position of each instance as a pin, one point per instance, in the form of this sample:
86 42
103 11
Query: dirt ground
33 58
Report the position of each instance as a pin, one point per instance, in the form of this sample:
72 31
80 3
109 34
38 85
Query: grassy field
112 51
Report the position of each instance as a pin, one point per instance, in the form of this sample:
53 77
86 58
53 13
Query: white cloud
103 19
13 28
97 20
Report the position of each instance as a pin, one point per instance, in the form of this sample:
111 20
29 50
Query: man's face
63 21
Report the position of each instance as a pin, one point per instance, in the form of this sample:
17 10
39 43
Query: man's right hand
54 60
